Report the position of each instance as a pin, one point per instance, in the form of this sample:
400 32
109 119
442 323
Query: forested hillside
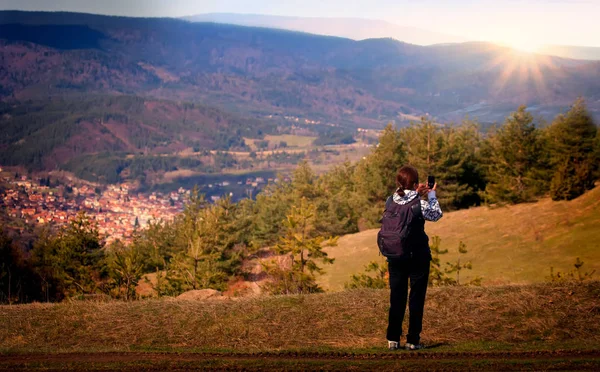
48 134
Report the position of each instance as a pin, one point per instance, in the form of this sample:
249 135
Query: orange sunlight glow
522 69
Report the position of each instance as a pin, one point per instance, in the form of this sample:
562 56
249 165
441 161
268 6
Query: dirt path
150 361
401 355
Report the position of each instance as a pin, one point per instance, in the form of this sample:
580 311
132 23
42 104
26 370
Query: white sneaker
409 346
393 345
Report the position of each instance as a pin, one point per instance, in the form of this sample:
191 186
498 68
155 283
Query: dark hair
406 179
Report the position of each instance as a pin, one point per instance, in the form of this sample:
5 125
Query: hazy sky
523 23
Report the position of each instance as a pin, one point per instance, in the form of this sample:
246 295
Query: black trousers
417 270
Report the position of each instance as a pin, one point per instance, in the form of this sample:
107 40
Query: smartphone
430 181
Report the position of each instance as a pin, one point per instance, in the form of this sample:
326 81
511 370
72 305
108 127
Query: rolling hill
516 244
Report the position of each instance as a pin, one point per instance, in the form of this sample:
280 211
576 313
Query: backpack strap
416 209
388 202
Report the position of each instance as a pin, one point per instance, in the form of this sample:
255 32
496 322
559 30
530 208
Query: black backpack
396 225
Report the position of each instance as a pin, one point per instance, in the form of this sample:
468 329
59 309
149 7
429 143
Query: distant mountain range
253 76
570 51
352 28
360 29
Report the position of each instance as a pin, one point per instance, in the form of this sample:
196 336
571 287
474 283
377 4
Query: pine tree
158 243
366 280
73 259
424 144
375 175
303 181
572 143
513 163
437 275
597 156
7 268
213 238
304 251
18 283
230 236
449 153
458 266
125 265
270 210
335 212
462 174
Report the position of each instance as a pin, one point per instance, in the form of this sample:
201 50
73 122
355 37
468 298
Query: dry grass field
292 141
514 244
344 320
528 327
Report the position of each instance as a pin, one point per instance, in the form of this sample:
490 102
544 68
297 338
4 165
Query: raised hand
422 189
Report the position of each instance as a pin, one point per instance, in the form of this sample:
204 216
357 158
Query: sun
524 45
527 47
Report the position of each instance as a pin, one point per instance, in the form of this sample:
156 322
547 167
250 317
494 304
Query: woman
414 268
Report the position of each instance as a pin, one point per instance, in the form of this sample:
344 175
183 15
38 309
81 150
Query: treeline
334 138
205 246
201 248
109 167
523 162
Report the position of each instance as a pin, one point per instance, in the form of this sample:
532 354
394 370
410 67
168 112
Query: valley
153 101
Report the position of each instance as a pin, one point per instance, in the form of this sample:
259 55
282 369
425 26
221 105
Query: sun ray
523 70
538 79
504 77
526 72
496 62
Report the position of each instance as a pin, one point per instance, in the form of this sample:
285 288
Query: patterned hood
430 208
409 195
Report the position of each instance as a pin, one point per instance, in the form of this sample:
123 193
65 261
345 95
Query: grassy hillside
516 244
352 320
